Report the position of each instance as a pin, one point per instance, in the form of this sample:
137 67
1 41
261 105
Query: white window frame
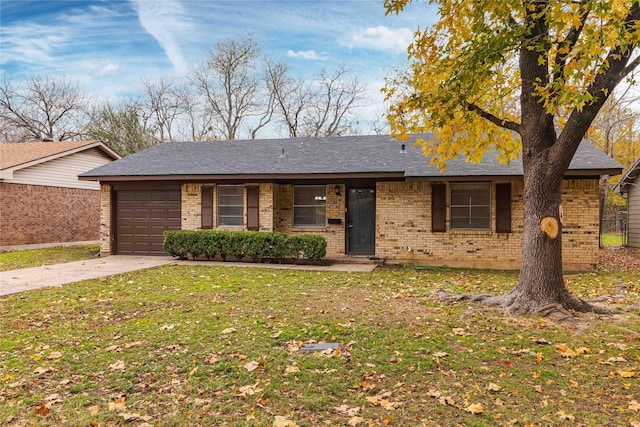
222 219
320 206
471 207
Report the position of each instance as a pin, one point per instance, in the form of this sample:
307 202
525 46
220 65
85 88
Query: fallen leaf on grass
380 400
42 370
634 405
440 354
228 331
133 344
354 421
494 387
117 366
42 410
93 410
249 390
627 373
564 416
281 421
568 352
167 327
117 405
291 369
350 412
447 400
132 416
251 366
54 355
475 408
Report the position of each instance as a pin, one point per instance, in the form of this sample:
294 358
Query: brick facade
106 214
33 214
403 224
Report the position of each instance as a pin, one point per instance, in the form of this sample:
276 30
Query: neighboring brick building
41 198
367 195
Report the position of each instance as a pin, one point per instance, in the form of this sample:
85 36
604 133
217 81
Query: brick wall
105 219
32 214
192 203
403 222
334 234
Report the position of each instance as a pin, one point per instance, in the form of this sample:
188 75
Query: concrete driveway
15 281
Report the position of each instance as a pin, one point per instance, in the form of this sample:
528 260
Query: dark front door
361 221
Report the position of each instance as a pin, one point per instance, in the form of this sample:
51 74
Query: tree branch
569 42
507 124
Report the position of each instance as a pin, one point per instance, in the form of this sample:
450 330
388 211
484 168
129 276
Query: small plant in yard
202 346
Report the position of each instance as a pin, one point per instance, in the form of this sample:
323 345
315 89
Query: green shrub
256 245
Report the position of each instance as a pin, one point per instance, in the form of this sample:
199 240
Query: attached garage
141 218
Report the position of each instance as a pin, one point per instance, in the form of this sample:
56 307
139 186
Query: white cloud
109 70
165 21
311 55
20 44
382 38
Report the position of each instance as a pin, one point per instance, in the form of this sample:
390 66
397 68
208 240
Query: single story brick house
41 199
629 184
369 196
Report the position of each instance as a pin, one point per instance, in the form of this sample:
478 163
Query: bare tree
164 106
322 108
332 104
229 84
51 107
292 97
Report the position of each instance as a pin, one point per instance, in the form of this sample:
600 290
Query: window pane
471 205
309 206
230 205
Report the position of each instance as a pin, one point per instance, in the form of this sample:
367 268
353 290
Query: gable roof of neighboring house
375 156
21 155
628 178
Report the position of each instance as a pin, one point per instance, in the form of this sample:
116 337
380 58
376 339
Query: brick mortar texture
32 214
403 221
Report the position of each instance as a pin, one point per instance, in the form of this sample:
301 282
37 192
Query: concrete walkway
15 281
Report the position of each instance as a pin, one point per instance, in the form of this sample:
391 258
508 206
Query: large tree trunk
541 287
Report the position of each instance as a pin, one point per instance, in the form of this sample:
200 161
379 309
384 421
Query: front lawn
203 346
14 260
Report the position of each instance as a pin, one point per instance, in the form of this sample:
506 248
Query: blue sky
110 46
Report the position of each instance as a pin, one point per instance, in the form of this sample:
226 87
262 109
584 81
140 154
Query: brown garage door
142 217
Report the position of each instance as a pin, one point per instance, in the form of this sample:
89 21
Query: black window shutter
253 199
206 207
503 208
438 207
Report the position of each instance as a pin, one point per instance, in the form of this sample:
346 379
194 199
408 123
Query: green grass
611 239
14 260
171 346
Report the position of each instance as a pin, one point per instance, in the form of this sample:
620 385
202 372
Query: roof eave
243 177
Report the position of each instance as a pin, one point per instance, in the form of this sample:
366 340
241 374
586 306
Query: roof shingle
377 154
15 154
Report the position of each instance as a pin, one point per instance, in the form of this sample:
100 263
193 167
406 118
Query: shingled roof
628 178
26 153
350 156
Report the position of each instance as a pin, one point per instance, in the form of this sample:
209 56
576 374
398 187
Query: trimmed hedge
242 244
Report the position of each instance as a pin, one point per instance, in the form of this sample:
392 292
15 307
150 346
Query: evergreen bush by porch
256 245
